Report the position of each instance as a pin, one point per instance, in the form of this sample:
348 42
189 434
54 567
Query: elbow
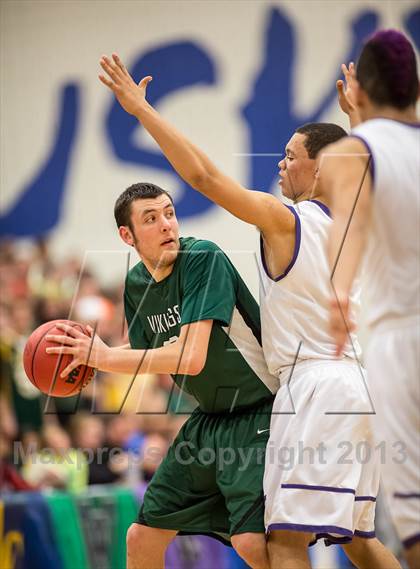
194 365
202 181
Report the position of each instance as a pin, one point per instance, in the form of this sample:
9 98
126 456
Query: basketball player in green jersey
190 314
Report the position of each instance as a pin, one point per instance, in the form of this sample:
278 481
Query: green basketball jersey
203 285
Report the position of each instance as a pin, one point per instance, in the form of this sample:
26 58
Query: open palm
130 95
345 89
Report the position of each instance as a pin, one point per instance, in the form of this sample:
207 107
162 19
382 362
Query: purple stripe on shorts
365 499
407 543
407 496
332 540
365 534
311 529
320 488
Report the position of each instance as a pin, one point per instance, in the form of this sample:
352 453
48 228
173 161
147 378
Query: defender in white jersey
332 495
378 169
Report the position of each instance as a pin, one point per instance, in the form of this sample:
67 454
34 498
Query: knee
145 538
252 548
289 540
135 537
412 556
288 548
358 547
142 539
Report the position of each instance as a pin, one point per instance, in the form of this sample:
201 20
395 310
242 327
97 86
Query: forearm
189 161
345 177
354 118
345 251
168 359
186 356
258 208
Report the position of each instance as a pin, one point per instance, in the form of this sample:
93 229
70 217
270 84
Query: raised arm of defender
345 171
346 95
258 208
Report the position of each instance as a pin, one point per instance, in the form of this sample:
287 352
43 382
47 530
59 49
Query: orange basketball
44 370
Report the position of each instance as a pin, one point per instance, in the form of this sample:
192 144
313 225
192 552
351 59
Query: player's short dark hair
387 70
139 191
320 134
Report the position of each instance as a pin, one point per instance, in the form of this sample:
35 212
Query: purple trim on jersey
320 488
364 534
406 496
407 543
365 499
372 162
311 529
295 252
324 208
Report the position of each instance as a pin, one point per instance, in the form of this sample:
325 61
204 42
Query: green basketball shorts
211 481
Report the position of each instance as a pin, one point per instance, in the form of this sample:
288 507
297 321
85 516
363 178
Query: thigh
393 366
183 494
242 443
312 473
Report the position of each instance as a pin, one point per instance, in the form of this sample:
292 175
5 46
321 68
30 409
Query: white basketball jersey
392 259
295 305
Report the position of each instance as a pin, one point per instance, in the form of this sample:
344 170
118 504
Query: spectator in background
154 450
89 436
26 401
35 288
56 464
52 284
9 476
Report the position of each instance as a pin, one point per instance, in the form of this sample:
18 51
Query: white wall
46 44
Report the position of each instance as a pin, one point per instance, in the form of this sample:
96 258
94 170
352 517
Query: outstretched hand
132 97
345 89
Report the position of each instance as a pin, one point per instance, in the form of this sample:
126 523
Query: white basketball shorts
322 469
394 372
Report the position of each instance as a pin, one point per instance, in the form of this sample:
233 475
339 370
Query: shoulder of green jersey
202 245
137 276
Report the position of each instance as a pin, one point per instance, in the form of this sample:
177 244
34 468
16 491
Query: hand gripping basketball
55 373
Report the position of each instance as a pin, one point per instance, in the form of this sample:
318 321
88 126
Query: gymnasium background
237 78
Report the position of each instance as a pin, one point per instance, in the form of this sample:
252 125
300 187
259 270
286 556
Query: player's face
297 170
155 231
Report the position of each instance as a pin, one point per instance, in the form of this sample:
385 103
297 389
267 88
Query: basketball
44 370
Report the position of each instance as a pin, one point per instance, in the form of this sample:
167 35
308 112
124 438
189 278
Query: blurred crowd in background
118 429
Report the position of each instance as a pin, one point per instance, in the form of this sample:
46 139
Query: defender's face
155 234
297 170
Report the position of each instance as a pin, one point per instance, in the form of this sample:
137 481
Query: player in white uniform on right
329 492
378 167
